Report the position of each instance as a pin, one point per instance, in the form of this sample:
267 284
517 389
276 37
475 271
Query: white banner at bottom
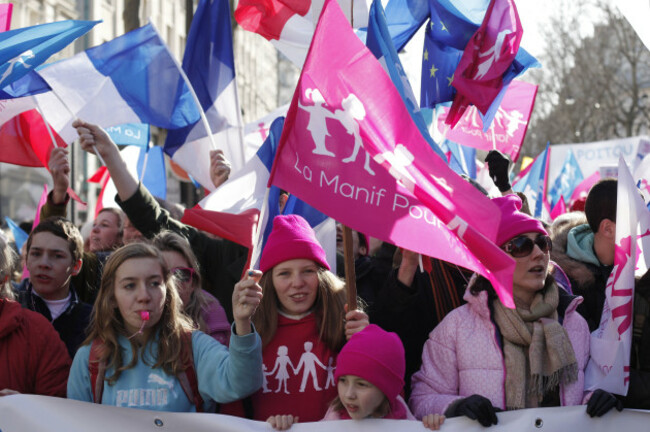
27 413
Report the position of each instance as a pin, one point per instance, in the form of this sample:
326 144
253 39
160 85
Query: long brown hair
107 323
172 242
328 307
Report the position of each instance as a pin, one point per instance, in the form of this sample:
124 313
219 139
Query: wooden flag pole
350 276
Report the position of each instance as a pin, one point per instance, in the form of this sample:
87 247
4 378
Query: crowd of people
151 313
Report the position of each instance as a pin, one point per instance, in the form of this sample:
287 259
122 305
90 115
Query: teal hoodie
223 375
580 245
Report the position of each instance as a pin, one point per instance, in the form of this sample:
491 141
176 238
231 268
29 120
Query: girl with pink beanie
303 322
370 377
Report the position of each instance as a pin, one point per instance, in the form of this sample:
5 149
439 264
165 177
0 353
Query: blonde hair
169 241
7 260
328 308
107 323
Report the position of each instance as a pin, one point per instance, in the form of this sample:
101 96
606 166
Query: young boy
54 255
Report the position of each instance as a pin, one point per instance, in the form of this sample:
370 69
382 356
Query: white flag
609 366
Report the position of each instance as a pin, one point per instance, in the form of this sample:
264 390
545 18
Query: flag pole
204 119
257 250
350 276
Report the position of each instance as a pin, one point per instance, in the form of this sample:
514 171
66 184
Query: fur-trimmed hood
578 271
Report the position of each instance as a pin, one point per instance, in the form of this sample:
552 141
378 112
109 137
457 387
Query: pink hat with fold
514 222
291 238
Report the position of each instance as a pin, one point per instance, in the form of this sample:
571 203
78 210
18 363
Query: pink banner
508 129
5 16
345 105
487 56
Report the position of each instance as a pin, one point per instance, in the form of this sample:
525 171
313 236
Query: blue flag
209 65
21 50
570 176
532 184
381 45
151 170
20 236
28 85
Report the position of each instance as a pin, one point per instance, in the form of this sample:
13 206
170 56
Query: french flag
131 79
241 210
289 24
210 68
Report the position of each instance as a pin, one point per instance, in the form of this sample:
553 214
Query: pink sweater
462 357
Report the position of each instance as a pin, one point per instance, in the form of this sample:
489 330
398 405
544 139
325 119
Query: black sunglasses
523 246
183 274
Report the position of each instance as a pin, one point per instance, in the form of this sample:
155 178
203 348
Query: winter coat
34 359
464 356
71 324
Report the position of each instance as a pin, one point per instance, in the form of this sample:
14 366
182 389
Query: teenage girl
150 350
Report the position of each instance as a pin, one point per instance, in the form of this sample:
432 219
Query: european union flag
380 44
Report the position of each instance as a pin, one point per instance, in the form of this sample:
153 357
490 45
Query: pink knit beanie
514 222
377 356
291 238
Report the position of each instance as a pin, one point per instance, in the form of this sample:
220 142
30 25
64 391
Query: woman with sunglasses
483 357
205 310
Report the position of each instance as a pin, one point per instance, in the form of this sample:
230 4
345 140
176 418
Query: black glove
498 165
475 407
601 402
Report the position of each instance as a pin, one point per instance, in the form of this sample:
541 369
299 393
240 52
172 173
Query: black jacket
71 324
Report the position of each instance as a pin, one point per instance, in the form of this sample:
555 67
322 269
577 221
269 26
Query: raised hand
219 167
498 165
246 297
59 166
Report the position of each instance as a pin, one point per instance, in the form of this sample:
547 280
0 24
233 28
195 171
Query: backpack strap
97 370
187 377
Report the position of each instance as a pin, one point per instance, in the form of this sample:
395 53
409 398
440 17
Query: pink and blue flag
610 347
349 142
582 189
489 54
507 131
21 50
210 67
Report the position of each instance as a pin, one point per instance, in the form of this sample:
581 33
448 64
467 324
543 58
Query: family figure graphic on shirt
308 362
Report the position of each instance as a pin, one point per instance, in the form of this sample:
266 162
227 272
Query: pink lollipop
144 315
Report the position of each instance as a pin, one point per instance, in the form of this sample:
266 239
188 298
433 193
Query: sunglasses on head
183 274
523 246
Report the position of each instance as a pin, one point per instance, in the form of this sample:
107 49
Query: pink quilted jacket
462 357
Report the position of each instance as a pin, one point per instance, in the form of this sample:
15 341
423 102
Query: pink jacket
463 357
216 320
332 414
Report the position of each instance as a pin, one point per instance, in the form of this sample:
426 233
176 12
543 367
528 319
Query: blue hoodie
223 375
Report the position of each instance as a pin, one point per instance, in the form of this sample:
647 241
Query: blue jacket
223 375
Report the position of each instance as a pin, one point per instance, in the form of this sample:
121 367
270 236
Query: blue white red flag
21 50
131 79
209 64
241 207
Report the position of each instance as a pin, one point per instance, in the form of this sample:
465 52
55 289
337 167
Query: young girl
205 311
370 377
302 323
140 338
